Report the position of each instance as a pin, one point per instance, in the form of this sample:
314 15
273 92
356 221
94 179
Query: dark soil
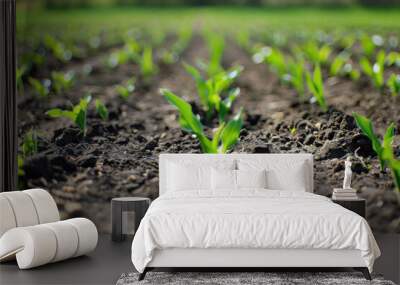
119 157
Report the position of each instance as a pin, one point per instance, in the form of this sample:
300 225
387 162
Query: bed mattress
250 219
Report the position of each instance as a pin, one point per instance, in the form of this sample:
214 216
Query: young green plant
393 83
101 109
295 77
375 71
274 58
316 87
62 81
316 54
216 46
211 91
29 144
126 90
147 66
367 128
41 88
392 162
224 137
341 67
57 48
77 115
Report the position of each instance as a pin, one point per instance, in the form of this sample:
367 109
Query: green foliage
369 44
393 59
367 128
62 81
295 77
375 71
117 58
77 115
30 144
317 55
19 74
243 40
57 48
101 109
394 84
341 67
224 137
147 67
20 161
126 91
392 162
211 91
316 87
216 46
41 88
274 58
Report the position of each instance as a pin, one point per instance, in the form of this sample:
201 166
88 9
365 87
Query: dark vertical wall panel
8 105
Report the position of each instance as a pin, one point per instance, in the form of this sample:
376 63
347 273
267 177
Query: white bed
288 226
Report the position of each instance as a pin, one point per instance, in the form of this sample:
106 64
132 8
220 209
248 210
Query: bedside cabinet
357 206
126 214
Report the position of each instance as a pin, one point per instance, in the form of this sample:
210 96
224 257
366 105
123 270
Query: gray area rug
233 278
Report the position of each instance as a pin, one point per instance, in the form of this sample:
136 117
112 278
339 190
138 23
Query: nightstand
358 206
126 214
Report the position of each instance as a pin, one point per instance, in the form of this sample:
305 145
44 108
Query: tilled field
119 157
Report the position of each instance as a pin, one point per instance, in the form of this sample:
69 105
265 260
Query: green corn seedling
316 87
117 58
57 48
224 137
30 144
393 83
317 55
184 37
392 162
338 64
210 91
367 128
172 55
20 161
147 67
295 77
101 109
62 81
369 44
243 40
375 71
126 91
41 88
19 74
274 58
216 46
77 115
393 59
340 67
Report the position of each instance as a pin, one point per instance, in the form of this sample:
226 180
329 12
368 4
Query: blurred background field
92 121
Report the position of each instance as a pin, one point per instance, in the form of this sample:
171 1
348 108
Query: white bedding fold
250 219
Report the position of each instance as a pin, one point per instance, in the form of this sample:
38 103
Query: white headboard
203 158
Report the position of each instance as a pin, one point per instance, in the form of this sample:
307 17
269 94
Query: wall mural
102 92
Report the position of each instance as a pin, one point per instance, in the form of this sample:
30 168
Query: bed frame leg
143 274
364 271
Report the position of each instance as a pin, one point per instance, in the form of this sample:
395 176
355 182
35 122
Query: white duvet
250 219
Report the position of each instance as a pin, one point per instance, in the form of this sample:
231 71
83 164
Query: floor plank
110 260
103 266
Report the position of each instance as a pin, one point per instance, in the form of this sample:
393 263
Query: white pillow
282 174
251 179
183 175
230 180
223 179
